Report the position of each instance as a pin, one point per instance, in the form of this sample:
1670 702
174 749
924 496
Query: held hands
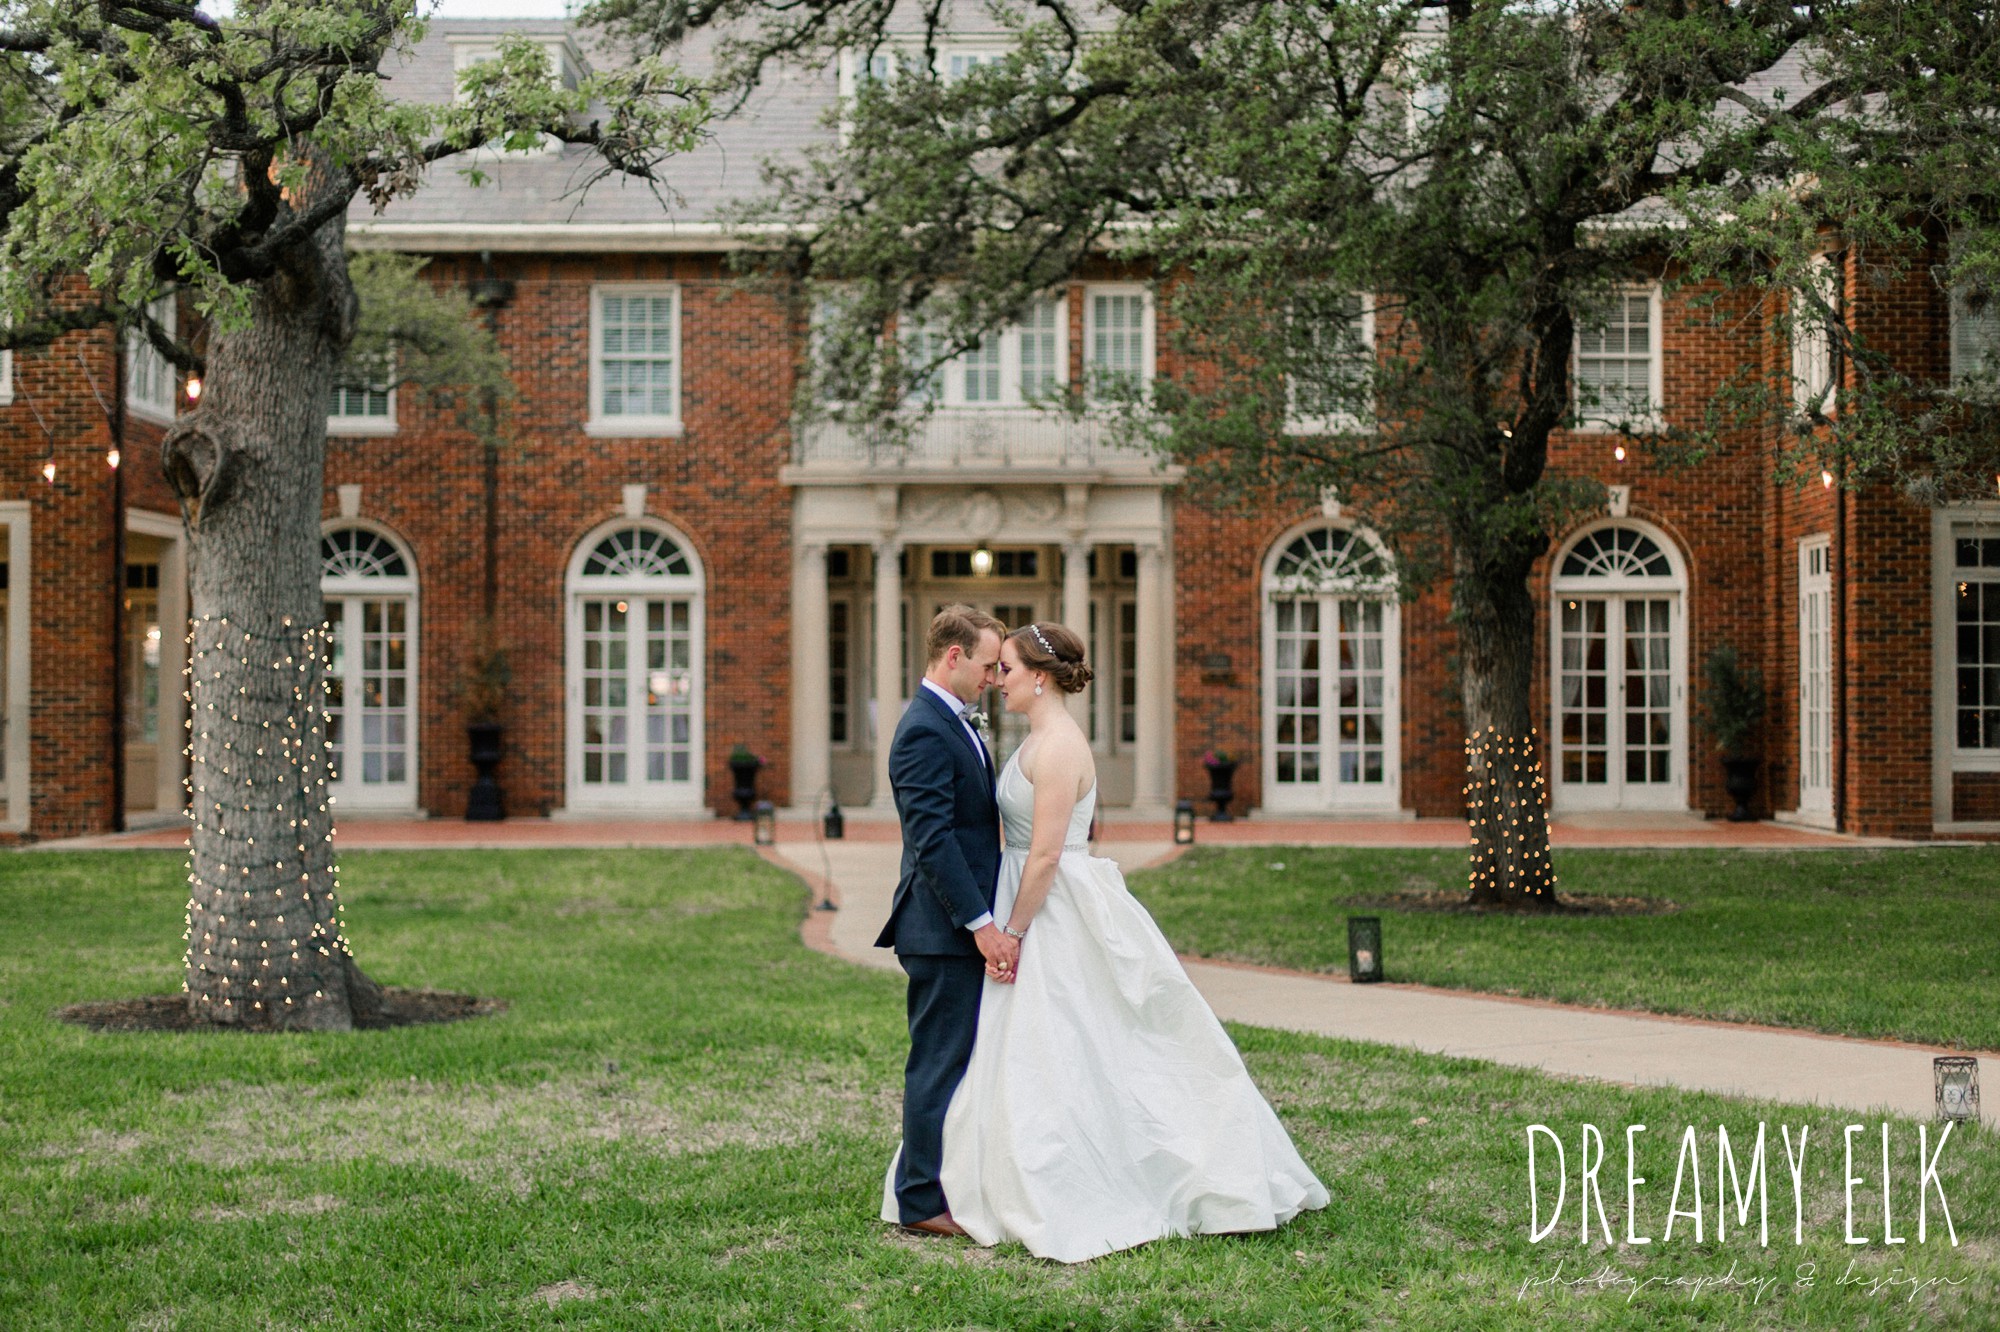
1002 952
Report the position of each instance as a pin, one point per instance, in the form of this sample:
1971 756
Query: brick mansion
677 567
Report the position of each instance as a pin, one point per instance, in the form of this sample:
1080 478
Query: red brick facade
1735 534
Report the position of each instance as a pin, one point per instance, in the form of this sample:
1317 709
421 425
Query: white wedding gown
1104 1105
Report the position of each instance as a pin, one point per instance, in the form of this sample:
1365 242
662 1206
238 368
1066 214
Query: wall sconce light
1957 1086
982 560
194 390
765 822
1364 949
112 459
1184 823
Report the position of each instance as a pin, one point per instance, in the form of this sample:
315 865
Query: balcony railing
951 440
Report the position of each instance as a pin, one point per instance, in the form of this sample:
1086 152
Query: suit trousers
944 1017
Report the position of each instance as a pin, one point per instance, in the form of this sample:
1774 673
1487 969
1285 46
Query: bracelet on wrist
1013 933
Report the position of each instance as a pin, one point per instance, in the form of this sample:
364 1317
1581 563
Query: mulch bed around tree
168 1012
1454 902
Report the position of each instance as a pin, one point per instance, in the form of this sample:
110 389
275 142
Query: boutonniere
975 717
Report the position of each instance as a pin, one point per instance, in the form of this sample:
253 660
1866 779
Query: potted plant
1221 767
743 767
1733 706
482 693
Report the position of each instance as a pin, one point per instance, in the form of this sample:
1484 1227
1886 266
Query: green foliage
149 147
1733 702
413 334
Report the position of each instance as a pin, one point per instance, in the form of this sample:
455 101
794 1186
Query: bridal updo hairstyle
1054 650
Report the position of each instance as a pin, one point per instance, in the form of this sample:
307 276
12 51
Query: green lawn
682 1119
1900 943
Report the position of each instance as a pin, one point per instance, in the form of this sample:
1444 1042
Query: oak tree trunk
1506 794
266 945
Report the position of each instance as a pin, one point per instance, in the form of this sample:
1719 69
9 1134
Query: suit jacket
951 832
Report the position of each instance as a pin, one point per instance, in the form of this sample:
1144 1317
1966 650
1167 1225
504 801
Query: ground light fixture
1184 823
1364 949
834 825
765 821
1957 1086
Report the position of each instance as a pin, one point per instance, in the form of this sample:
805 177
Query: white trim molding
16 516
1329 792
648 425
1613 588
1947 759
638 794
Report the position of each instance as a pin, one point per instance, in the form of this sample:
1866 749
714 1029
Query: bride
1104 1105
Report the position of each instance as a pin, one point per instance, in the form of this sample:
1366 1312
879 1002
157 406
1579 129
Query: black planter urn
744 771
483 804
1221 790
1739 778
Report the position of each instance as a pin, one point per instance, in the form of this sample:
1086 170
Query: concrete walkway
1864 1077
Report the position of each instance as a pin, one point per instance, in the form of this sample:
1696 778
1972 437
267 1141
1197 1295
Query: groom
941 923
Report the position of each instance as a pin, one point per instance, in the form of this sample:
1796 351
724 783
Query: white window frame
16 515
1147 332
349 424
1330 794
951 394
638 797
1947 759
6 377
350 792
142 358
1342 422
649 426
1969 329
1815 576
1673 793
1816 369
1594 419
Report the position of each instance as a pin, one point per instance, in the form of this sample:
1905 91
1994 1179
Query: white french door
1331 723
371 703
1619 700
637 692
1815 681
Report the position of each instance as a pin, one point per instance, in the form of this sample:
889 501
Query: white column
810 702
889 665
1076 614
1152 786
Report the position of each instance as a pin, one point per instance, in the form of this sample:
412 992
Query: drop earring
1038 689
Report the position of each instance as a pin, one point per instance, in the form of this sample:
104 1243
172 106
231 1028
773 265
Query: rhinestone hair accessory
1036 630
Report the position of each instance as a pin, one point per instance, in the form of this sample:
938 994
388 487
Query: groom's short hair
960 627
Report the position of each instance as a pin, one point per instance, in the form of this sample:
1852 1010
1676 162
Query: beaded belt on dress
1067 846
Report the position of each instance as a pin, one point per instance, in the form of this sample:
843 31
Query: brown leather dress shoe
941 1224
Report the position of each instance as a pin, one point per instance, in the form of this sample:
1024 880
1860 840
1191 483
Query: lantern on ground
1184 823
1364 949
834 825
765 820
1957 1086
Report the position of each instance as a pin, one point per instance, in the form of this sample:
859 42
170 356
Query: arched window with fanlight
1332 673
1619 670
369 583
635 670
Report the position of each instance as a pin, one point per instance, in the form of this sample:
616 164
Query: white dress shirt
958 707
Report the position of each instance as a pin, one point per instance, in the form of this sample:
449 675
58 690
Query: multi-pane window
1815 353
1976 598
1118 339
1617 361
1333 373
635 361
1975 337
1816 676
150 380
1019 366
365 400
371 667
1128 672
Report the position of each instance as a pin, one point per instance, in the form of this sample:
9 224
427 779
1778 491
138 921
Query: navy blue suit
943 785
